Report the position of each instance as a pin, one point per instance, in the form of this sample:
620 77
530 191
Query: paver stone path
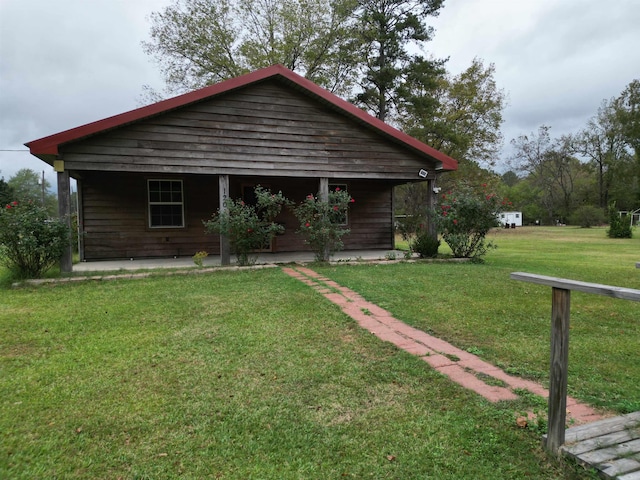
460 366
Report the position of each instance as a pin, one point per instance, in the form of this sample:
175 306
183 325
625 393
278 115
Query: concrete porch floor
214 260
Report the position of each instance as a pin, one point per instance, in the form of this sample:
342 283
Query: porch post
80 210
323 191
64 212
559 367
223 181
431 202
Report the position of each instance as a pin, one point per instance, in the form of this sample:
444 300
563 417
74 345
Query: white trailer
510 219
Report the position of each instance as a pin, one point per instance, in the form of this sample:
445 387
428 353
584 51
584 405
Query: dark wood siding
370 218
264 129
115 215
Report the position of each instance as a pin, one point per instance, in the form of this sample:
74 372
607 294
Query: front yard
252 374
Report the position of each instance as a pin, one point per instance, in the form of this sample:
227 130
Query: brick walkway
460 366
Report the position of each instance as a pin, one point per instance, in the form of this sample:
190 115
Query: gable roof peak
48 146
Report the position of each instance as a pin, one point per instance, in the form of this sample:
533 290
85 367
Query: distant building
510 218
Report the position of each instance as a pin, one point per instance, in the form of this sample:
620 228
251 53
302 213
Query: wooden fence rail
560 309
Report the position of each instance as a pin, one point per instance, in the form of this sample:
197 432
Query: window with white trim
166 203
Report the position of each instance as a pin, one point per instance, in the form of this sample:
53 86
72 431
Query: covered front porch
216 260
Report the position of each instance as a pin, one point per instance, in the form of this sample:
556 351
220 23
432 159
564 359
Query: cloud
65 63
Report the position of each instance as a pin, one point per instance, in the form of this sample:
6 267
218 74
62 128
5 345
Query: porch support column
223 181
64 212
431 202
323 190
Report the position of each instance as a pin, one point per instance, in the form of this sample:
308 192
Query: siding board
262 128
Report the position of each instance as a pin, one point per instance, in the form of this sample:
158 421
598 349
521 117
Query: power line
12 150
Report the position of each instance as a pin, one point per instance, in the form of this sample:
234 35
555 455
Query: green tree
7 194
603 144
461 116
619 227
552 169
28 186
627 107
387 32
510 178
201 42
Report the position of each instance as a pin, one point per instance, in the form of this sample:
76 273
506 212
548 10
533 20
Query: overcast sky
64 63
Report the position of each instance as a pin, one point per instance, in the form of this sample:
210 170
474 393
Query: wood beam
559 367
323 189
64 212
223 182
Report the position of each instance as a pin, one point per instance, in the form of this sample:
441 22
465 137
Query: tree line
576 177
374 54
27 186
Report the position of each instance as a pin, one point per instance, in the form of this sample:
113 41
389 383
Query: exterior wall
115 214
115 221
266 133
267 129
510 218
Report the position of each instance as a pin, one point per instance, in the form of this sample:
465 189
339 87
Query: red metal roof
50 145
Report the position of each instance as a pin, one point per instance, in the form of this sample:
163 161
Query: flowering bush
30 241
323 223
249 227
465 217
199 257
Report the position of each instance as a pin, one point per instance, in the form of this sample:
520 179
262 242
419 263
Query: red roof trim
49 145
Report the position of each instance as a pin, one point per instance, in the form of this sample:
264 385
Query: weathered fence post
557 413
559 365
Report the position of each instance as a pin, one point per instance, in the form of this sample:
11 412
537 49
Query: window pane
165 208
166 215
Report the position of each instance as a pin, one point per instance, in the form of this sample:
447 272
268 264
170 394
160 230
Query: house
510 219
147 178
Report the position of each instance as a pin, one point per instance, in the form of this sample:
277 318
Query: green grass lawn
252 374
477 307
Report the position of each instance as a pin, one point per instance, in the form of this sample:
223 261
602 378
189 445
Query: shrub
618 227
425 245
587 216
465 217
323 223
31 242
199 257
249 227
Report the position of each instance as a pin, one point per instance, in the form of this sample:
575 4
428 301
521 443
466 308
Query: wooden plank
557 411
630 476
623 450
622 466
601 441
115 166
563 283
608 425
612 446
